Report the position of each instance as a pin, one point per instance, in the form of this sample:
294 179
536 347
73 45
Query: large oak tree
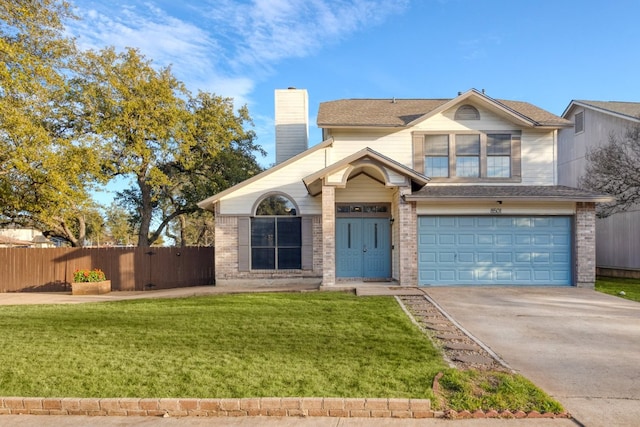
177 149
45 172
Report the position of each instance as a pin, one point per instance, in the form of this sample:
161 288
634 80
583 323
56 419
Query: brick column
328 236
585 245
226 261
407 242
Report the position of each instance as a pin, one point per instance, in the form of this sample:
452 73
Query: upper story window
436 148
579 122
468 156
276 235
467 112
498 155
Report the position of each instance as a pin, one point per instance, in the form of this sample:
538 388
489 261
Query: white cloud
225 46
267 31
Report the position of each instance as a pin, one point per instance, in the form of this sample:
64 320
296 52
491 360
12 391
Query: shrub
95 275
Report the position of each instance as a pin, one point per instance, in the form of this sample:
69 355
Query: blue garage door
466 250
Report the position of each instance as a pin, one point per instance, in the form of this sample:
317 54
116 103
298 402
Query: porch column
585 245
328 236
407 241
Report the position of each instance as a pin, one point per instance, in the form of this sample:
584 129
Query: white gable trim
338 173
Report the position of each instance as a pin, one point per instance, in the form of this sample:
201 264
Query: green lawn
312 344
613 286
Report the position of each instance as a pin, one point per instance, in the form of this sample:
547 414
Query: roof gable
626 110
210 201
401 113
315 181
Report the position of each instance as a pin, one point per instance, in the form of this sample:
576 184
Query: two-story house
617 236
458 191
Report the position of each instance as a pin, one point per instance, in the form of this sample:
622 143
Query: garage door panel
540 257
447 239
446 257
466 239
466 258
446 275
542 240
561 275
504 276
503 258
485 258
560 258
494 250
485 239
542 275
469 222
504 239
485 275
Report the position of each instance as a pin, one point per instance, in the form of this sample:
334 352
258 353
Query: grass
309 345
614 285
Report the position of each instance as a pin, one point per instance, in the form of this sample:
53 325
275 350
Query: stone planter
91 288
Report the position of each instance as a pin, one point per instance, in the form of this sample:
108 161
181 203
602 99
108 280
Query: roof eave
359 126
593 199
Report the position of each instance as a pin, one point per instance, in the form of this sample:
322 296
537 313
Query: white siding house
422 192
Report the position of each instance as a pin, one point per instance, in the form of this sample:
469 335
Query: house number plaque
496 210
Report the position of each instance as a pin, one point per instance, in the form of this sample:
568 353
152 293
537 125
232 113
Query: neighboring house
23 237
458 191
618 236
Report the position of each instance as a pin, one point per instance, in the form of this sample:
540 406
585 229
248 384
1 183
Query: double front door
363 247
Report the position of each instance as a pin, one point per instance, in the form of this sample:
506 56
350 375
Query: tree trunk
146 210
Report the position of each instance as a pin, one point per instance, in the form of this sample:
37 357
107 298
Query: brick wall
317 244
408 244
226 260
328 236
585 245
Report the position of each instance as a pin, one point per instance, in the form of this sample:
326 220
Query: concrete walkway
20 298
579 345
83 421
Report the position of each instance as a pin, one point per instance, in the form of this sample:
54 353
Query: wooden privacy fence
129 269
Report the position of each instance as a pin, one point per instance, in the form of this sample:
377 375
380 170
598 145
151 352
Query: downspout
555 157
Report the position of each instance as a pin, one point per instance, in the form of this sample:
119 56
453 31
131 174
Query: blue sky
546 52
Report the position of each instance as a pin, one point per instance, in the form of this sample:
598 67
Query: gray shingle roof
401 112
631 109
521 192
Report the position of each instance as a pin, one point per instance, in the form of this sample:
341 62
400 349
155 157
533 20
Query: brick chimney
292 122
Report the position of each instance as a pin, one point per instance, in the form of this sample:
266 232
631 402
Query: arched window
467 112
276 204
276 235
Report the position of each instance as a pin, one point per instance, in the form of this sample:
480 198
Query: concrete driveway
579 345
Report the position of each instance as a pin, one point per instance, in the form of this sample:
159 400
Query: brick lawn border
264 406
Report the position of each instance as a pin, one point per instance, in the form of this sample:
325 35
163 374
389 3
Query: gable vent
467 112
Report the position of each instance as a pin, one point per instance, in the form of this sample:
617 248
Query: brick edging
264 406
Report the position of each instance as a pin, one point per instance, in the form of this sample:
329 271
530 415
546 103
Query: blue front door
363 247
